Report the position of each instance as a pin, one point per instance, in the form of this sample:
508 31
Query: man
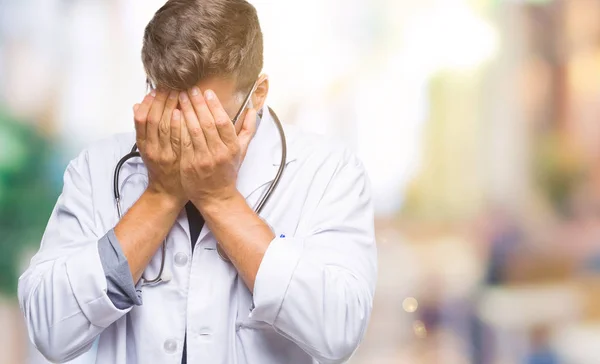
293 285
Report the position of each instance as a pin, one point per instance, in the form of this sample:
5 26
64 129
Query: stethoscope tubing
259 206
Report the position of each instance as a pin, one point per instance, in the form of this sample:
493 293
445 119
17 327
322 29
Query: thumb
248 130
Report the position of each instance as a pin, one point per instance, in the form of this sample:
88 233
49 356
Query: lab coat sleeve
120 287
317 289
63 292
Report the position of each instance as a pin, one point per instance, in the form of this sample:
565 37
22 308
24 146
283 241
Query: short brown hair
189 40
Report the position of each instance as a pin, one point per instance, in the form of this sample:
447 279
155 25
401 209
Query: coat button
181 259
170 346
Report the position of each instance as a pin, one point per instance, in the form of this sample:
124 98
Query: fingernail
195 91
210 95
176 114
173 95
153 93
183 96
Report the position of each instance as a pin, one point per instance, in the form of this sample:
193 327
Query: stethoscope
258 208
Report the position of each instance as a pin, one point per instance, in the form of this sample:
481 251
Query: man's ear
262 90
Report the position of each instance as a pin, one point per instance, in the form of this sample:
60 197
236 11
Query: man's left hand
211 151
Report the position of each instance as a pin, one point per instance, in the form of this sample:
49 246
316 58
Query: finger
206 120
154 116
140 115
248 130
186 147
175 133
192 124
225 127
140 128
164 128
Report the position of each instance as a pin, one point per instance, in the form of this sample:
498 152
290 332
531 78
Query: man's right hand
144 227
158 131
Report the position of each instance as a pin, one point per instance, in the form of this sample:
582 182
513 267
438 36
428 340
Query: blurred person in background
219 283
542 351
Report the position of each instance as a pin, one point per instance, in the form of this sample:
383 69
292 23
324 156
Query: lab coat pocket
245 306
253 325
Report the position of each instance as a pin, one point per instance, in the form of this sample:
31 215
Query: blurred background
478 121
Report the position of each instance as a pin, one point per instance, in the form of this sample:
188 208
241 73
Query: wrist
218 203
165 201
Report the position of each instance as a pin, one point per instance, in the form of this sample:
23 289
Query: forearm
144 227
242 234
298 277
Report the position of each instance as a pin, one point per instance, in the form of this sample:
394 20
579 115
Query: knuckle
163 158
169 159
209 126
187 143
222 121
164 129
187 167
220 160
222 157
196 132
150 154
152 119
205 164
138 118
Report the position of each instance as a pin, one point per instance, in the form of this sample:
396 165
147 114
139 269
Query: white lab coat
313 293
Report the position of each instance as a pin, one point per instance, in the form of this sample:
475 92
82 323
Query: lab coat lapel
262 158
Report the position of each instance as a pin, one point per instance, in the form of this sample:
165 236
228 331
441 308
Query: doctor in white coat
293 284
